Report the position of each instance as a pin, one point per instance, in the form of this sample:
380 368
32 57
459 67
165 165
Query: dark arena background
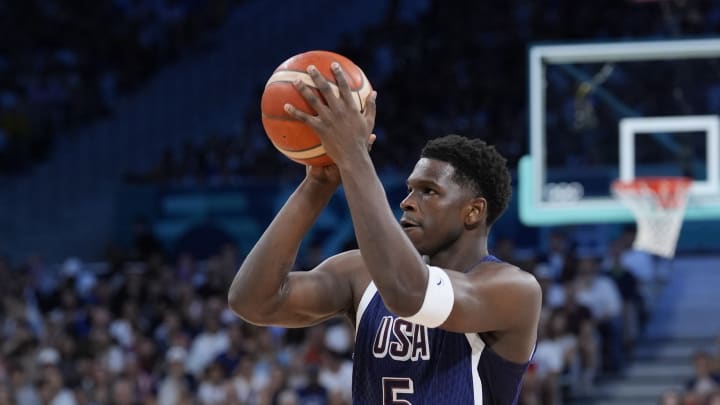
135 176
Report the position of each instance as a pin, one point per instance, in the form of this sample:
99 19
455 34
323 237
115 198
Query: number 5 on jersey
393 387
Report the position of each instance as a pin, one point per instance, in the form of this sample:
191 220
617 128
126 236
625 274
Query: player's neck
461 256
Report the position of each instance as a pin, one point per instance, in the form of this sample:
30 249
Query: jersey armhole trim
367 296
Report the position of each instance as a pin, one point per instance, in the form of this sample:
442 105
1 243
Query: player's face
432 210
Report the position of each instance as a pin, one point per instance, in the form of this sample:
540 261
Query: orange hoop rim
666 189
653 182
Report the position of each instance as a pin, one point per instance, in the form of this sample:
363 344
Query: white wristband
438 302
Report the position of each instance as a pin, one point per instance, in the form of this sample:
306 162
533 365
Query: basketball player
438 320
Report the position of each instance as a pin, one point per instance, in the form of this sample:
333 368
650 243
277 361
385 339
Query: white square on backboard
709 124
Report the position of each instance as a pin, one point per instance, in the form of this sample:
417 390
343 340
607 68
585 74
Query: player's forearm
257 286
393 262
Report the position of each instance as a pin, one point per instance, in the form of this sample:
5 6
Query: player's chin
414 234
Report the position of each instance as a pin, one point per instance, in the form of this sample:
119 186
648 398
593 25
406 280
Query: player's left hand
342 128
329 176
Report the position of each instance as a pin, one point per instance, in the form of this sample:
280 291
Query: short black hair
477 166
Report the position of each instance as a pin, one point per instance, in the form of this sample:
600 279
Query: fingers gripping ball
294 138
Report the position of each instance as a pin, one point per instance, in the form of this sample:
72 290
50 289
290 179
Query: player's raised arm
263 290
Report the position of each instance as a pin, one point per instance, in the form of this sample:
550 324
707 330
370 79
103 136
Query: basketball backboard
606 111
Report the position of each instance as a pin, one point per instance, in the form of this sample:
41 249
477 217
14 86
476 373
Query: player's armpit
310 297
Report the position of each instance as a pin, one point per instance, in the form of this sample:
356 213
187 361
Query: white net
659 206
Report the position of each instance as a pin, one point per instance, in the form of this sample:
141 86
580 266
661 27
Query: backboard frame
705 195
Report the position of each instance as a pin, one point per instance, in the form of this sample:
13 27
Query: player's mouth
408 224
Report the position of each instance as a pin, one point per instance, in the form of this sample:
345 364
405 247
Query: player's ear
475 212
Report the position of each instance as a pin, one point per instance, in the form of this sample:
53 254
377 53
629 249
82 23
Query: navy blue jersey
398 362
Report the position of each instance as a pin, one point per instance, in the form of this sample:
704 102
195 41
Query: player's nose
408 204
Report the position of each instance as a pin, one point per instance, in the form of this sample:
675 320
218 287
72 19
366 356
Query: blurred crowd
65 63
221 160
144 328
149 327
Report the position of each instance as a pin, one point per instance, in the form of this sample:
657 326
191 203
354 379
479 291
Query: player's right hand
327 176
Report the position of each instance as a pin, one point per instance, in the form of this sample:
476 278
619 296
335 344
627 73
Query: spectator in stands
504 249
336 375
231 357
123 392
715 365
211 342
693 398
212 389
106 350
640 264
580 323
530 390
714 398
312 392
52 387
543 386
558 250
671 398
570 268
276 386
5 398
553 293
704 381
313 345
601 296
177 383
560 335
633 304
23 390
244 385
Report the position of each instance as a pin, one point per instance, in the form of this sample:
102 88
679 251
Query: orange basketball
293 138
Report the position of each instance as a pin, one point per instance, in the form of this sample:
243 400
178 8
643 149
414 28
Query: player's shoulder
503 272
352 256
497 268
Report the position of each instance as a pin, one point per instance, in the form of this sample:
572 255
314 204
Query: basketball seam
302 154
281 77
365 83
280 117
300 150
307 79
